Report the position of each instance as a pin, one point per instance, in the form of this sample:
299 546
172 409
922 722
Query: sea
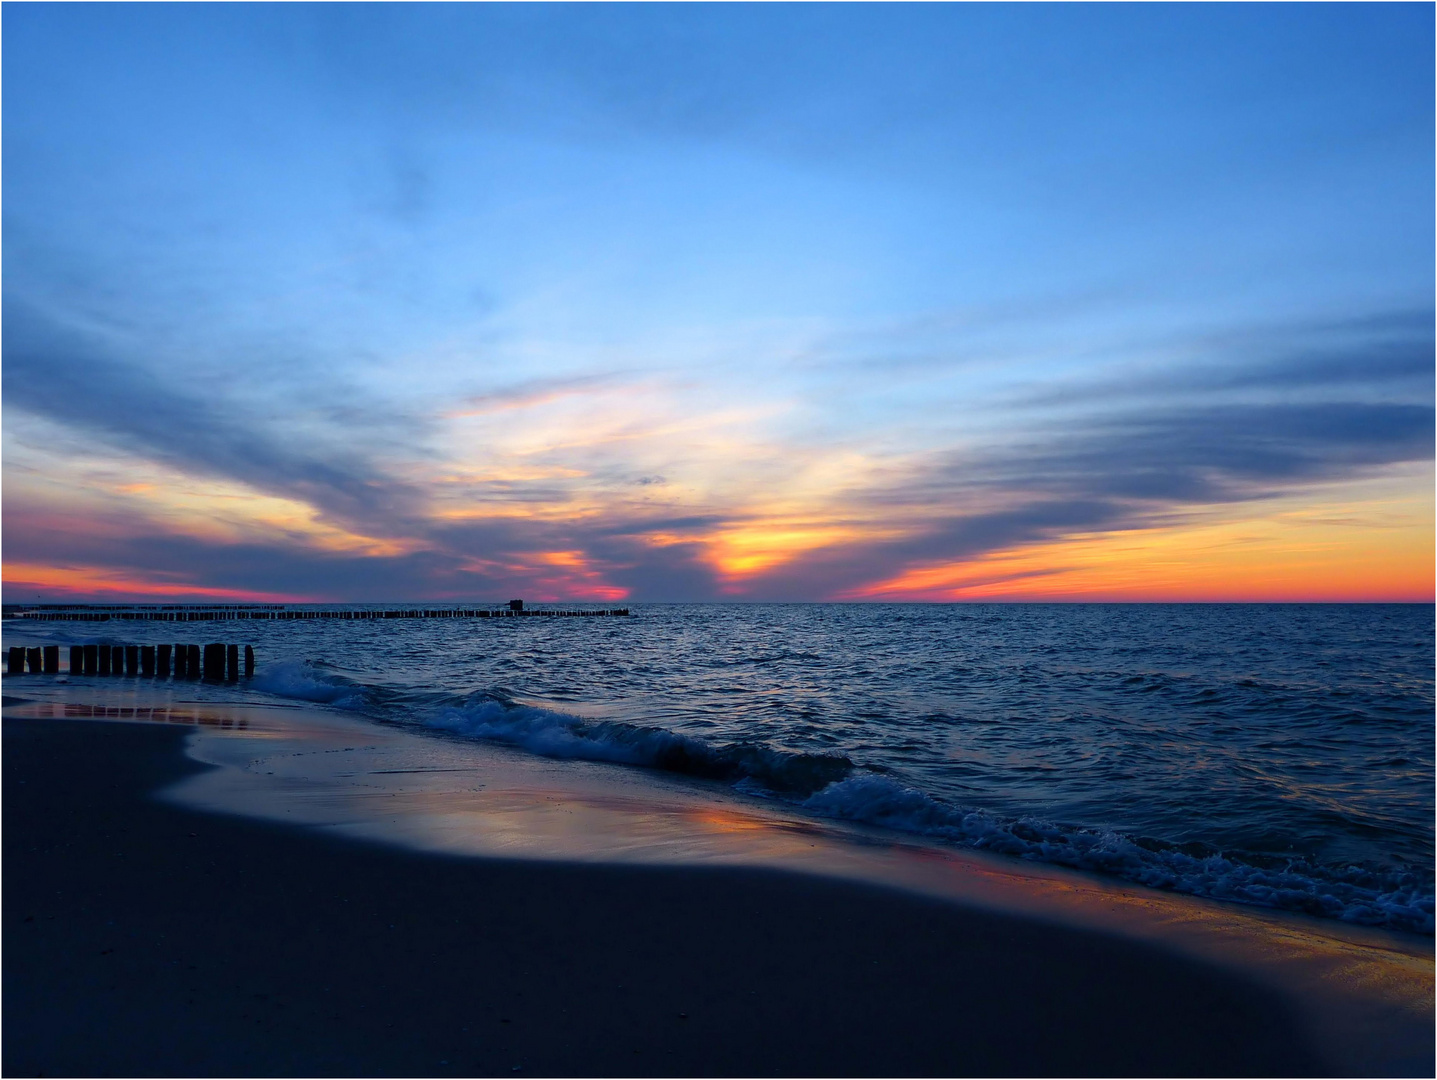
1271 755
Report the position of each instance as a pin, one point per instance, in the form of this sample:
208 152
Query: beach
142 936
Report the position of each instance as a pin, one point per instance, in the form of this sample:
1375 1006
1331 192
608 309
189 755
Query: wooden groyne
216 662
217 613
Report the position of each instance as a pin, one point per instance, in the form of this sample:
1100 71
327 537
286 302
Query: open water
1278 755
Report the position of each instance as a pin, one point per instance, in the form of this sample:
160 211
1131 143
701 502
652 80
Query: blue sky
705 301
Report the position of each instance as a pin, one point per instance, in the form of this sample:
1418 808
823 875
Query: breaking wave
303 681
554 734
493 717
833 786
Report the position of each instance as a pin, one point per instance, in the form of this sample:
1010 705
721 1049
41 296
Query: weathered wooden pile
213 663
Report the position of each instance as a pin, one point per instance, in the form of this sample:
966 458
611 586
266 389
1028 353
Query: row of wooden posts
515 608
215 663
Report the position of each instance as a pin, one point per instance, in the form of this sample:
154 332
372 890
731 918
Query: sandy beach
145 938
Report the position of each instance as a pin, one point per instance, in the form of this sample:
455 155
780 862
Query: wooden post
132 659
92 659
232 663
104 668
162 661
77 659
36 661
249 661
147 661
214 663
52 659
16 665
192 661
182 656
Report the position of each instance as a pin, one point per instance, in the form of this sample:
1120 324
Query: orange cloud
1286 557
61 582
577 579
740 551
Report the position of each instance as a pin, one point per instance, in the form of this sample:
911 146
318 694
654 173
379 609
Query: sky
708 302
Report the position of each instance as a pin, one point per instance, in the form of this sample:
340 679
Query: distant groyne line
229 612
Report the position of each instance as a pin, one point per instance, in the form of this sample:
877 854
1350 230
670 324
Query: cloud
1132 471
658 573
533 392
1384 355
142 550
87 383
1268 415
1219 454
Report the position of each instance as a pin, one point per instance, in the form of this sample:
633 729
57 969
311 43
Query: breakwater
216 662
217 613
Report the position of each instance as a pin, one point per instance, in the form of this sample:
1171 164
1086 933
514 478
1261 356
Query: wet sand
145 938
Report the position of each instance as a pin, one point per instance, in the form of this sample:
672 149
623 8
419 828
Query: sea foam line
833 786
1394 903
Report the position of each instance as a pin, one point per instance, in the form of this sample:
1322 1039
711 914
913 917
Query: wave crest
831 785
304 681
560 735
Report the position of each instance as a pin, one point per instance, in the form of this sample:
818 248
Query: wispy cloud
768 303
535 392
192 424
1123 465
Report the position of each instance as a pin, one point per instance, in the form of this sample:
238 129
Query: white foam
543 732
303 682
830 786
875 800
555 734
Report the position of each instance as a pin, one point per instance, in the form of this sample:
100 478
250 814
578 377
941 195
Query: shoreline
1274 839
828 957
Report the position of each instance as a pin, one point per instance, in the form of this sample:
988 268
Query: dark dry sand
141 938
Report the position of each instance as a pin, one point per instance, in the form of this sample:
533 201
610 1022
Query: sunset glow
793 322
